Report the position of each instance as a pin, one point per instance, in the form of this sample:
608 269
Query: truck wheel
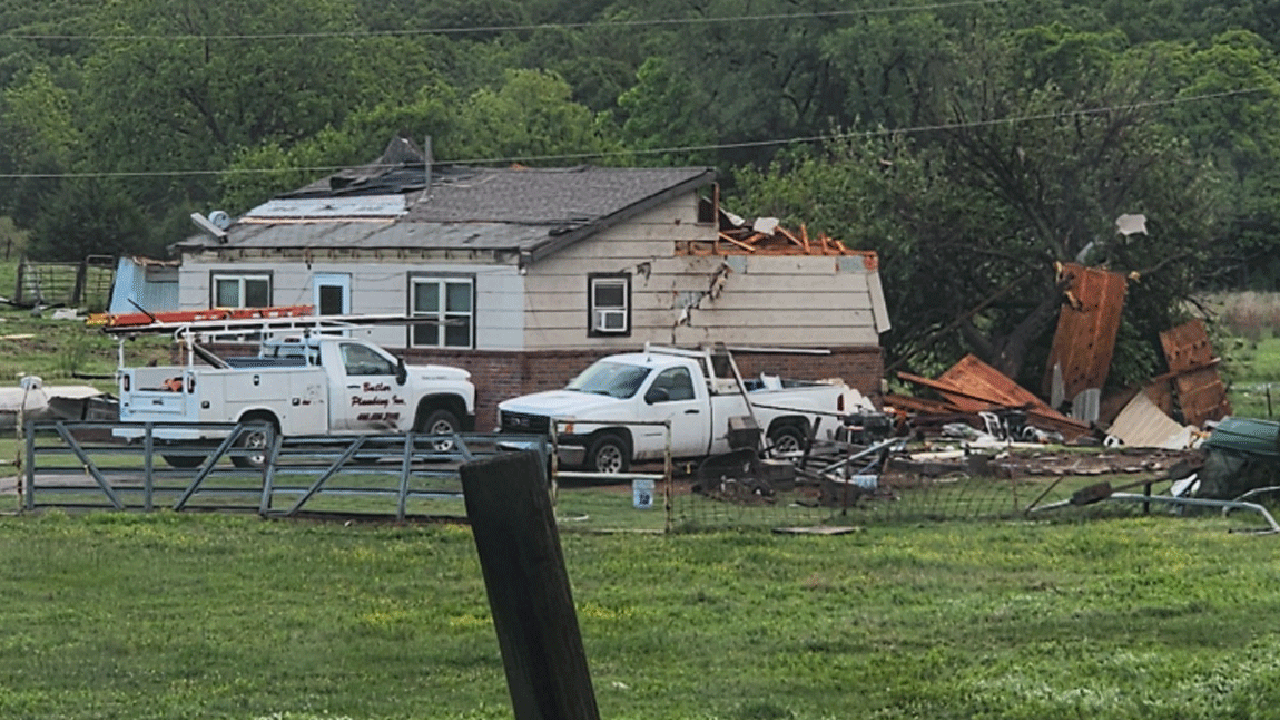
788 439
441 422
608 454
255 439
184 462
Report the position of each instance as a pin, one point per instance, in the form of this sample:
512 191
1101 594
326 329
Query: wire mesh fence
72 284
1025 485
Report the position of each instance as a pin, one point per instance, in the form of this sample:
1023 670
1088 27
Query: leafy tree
88 216
41 141
1023 177
663 111
1226 98
262 172
176 90
530 119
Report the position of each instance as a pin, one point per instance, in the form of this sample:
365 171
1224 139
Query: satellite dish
203 223
221 219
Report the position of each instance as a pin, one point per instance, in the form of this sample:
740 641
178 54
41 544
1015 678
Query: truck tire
788 439
254 438
441 422
184 462
608 454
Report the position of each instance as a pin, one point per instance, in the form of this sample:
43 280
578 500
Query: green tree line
971 143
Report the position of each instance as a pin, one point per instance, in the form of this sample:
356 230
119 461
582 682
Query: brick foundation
501 375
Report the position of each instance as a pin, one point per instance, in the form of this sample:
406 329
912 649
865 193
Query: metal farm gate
89 465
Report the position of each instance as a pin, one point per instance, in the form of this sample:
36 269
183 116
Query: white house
526 275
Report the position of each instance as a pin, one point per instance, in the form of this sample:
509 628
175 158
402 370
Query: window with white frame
609 306
240 290
448 306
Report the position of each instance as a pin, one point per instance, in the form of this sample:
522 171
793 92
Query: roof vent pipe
426 164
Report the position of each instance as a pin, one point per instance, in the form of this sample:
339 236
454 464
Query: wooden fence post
17 291
82 274
513 523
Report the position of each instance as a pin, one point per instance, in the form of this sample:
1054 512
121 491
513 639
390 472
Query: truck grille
525 423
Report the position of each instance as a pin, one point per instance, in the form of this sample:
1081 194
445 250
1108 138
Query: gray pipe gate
400 475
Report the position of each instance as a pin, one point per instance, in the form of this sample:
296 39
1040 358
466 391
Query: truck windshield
614 379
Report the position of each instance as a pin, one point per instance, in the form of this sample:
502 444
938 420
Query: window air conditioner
611 321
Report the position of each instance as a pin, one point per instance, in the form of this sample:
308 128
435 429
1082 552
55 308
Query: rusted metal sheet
1201 394
1187 346
906 403
972 386
1087 326
978 379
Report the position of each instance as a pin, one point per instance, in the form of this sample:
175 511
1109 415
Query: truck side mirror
657 395
402 372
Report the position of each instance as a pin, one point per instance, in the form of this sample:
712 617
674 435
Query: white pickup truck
696 391
310 385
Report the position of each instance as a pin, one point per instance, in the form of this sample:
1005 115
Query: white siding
378 288
764 300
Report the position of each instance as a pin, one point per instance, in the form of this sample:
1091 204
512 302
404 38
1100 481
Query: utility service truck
697 391
313 380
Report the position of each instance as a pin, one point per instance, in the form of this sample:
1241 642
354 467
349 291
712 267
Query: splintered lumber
730 238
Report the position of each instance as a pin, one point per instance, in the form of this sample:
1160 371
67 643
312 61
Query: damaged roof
530 211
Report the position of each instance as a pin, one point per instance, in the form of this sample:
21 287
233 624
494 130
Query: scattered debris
33 400
1142 424
971 387
766 236
1194 372
1085 339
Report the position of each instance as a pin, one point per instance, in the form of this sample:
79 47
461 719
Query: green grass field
212 616
163 616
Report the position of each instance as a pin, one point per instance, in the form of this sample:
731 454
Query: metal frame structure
81 465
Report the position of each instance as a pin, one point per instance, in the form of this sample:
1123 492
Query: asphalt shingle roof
519 209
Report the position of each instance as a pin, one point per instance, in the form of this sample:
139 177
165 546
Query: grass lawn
213 616
131 616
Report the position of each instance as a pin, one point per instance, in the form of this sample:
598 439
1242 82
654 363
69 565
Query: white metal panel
323 207
877 301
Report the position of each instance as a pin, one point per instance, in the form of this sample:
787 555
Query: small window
363 360
240 290
609 305
676 383
447 304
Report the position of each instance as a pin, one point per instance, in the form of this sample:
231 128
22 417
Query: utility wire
517 28
919 129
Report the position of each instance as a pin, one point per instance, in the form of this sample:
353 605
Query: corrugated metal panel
972 385
1142 424
978 379
1201 393
1087 324
1187 346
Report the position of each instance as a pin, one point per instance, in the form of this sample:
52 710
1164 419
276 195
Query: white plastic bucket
642 493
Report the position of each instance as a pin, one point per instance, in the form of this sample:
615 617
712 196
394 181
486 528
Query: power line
515 28
919 129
